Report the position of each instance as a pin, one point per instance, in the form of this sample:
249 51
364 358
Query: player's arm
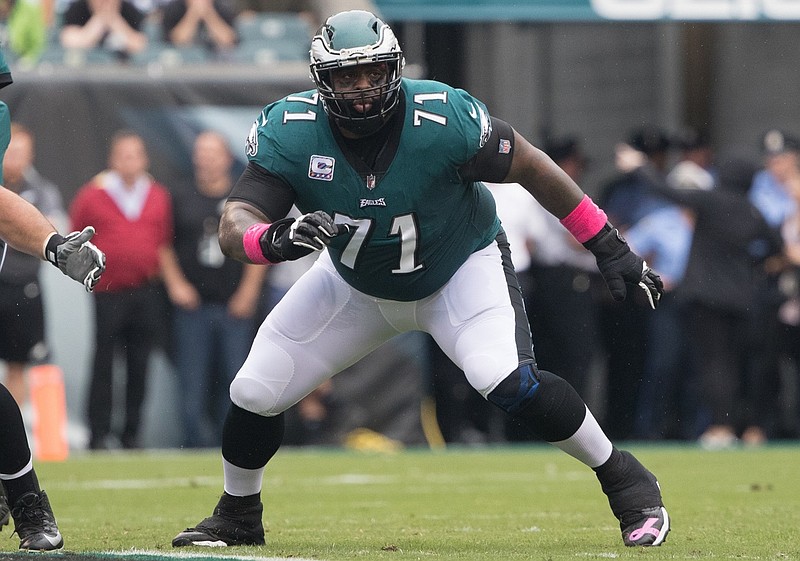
507 157
521 162
562 197
258 197
26 229
543 178
237 217
253 228
22 226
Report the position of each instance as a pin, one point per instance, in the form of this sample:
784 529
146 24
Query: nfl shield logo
321 167
370 182
505 146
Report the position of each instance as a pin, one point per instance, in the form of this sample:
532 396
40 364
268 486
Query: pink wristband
585 220
252 245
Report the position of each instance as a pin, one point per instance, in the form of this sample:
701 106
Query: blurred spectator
26 24
642 163
731 242
788 336
133 216
781 162
21 309
772 193
215 297
210 23
667 404
695 167
114 25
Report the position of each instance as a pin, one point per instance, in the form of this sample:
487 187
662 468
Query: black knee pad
250 440
546 403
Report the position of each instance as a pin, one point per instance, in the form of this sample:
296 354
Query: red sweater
131 246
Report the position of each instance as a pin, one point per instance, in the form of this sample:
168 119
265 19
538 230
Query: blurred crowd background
684 127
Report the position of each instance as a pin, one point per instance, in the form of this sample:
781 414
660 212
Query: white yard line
146 555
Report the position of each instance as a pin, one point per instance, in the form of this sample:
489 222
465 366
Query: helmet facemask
351 40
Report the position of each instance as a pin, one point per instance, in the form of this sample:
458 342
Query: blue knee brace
515 392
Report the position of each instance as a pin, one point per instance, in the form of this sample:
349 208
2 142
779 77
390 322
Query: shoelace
32 517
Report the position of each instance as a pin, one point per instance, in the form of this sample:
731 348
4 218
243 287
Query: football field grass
504 503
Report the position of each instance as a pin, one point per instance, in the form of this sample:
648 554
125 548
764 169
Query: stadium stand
269 37
57 55
266 39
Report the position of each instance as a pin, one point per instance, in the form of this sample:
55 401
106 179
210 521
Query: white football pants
322 326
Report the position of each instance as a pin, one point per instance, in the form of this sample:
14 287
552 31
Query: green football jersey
5 115
413 220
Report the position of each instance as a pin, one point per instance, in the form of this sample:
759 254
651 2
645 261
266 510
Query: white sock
589 444
241 482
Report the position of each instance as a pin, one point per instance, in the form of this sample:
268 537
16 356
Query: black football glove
77 257
619 265
292 238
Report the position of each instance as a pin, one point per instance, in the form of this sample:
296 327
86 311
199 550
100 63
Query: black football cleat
646 527
35 524
235 521
635 499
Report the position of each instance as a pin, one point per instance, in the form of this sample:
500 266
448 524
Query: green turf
500 504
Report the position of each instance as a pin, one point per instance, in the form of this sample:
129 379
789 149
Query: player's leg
33 518
22 325
319 328
479 321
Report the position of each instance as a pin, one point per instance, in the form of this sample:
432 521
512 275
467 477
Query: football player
24 228
388 172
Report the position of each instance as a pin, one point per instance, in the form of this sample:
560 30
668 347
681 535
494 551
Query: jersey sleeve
472 118
5 73
448 122
268 144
